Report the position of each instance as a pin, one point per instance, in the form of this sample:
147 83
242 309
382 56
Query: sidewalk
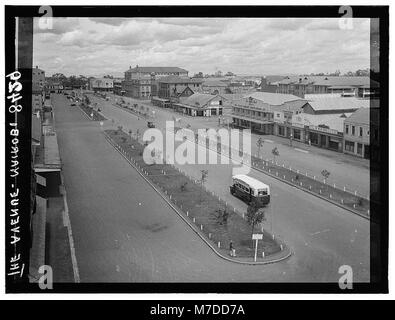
355 161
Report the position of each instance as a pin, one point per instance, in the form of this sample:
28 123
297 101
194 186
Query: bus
250 190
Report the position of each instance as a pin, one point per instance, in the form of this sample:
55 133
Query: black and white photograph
189 149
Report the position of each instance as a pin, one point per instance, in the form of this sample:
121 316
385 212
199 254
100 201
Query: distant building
101 84
52 86
38 98
38 77
118 86
142 82
266 86
213 86
173 86
200 105
348 86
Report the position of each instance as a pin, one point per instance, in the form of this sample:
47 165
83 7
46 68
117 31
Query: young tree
275 153
325 173
203 179
255 215
259 144
222 216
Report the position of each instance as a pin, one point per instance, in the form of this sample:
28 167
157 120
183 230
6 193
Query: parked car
150 124
73 104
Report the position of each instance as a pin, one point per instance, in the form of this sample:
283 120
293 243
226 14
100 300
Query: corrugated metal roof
338 103
273 98
361 116
198 99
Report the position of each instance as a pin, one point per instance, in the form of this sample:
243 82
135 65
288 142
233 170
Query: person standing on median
232 250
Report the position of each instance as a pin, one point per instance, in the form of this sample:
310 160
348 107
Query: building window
367 132
359 148
349 146
346 128
353 130
360 131
281 131
296 134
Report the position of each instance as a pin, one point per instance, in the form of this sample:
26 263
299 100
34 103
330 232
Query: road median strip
200 208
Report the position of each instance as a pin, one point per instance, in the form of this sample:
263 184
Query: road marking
318 232
267 140
301 150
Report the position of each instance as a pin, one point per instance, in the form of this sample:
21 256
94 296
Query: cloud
251 45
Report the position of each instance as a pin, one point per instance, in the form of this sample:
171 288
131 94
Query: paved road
353 173
123 231
323 236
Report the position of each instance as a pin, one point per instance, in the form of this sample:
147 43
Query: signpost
256 237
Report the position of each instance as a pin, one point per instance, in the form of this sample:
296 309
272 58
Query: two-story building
142 82
118 87
361 134
257 111
101 84
173 86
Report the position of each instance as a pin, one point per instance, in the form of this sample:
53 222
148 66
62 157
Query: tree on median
325 173
275 153
203 179
259 144
255 215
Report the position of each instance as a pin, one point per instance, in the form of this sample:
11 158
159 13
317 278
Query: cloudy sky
98 46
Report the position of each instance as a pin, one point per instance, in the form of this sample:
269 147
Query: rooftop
156 69
198 99
338 103
361 116
214 83
254 183
273 98
331 81
177 79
